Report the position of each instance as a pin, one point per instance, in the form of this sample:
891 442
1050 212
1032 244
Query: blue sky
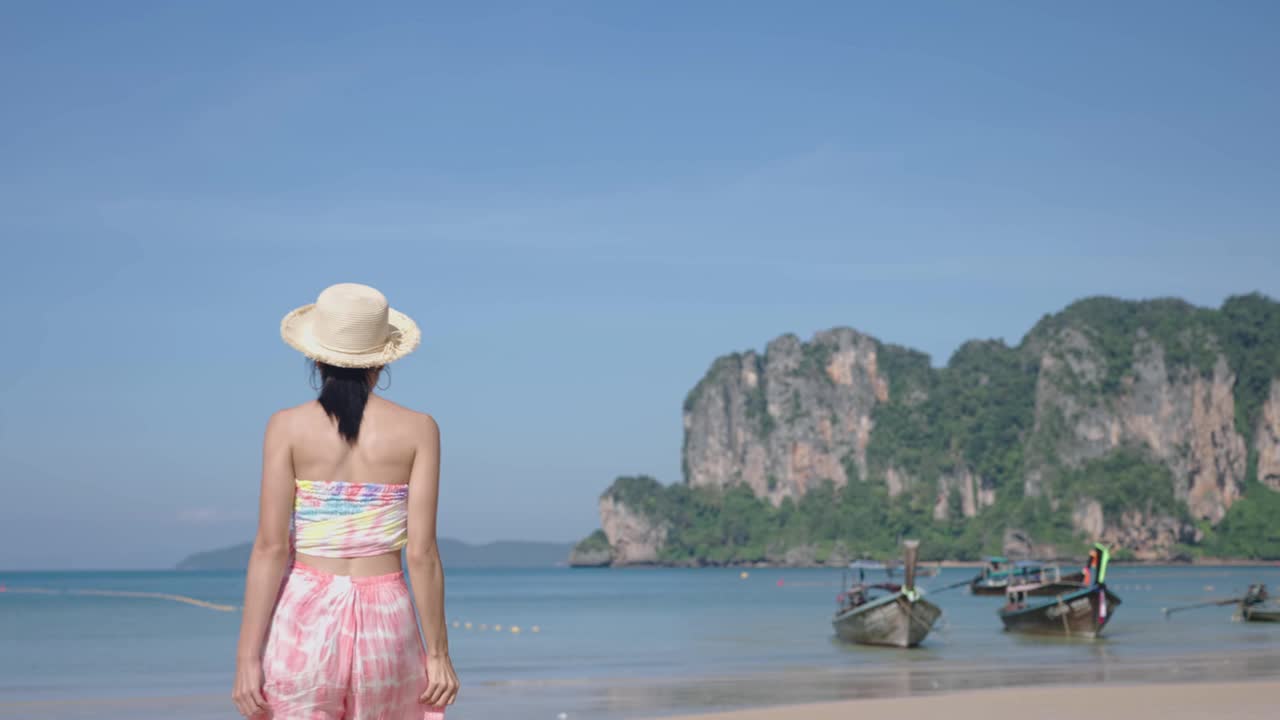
582 204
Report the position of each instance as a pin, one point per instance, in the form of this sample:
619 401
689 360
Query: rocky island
1153 426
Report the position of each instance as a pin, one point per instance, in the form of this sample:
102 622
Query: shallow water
617 643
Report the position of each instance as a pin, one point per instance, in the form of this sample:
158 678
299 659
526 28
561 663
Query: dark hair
343 395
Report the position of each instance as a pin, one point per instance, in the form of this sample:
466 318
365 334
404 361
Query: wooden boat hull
1261 614
894 621
981 588
1083 613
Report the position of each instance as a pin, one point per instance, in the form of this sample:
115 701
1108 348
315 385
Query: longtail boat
1253 606
1046 580
886 613
994 577
1083 612
999 574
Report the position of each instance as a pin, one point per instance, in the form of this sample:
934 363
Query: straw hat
350 325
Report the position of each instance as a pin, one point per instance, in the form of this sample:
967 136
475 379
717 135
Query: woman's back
383 452
382 457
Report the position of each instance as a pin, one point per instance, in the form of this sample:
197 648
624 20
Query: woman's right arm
266 564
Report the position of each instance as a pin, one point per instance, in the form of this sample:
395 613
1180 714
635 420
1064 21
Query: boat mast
912 549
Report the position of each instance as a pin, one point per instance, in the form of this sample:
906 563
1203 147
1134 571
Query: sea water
621 643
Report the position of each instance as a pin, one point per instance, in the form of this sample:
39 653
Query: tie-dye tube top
348 520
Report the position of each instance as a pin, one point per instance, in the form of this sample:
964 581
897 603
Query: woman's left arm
266 564
425 572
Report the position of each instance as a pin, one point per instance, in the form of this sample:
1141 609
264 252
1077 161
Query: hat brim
298 330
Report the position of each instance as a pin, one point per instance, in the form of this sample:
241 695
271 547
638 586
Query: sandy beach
1196 701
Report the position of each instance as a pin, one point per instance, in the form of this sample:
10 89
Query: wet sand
1197 701
1209 685
1188 701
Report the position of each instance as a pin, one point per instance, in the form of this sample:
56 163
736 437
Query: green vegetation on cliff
592 551
970 437
978 413
1121 481
593 543
1251 528
723 526
1113 327
975 412
707 525
1246 330
1249 326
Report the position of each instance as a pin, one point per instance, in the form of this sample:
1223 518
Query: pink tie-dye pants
345 648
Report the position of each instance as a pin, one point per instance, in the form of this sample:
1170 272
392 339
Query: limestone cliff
1180 416
1128 422
1267 439
635 536
781 421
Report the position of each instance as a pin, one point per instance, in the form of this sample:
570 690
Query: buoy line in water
124 594
496 627
482 627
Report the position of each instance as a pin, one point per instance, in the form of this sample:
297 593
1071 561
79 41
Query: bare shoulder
420 423
285 421
425 428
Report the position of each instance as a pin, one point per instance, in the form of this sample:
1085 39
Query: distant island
1152 426
453 553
